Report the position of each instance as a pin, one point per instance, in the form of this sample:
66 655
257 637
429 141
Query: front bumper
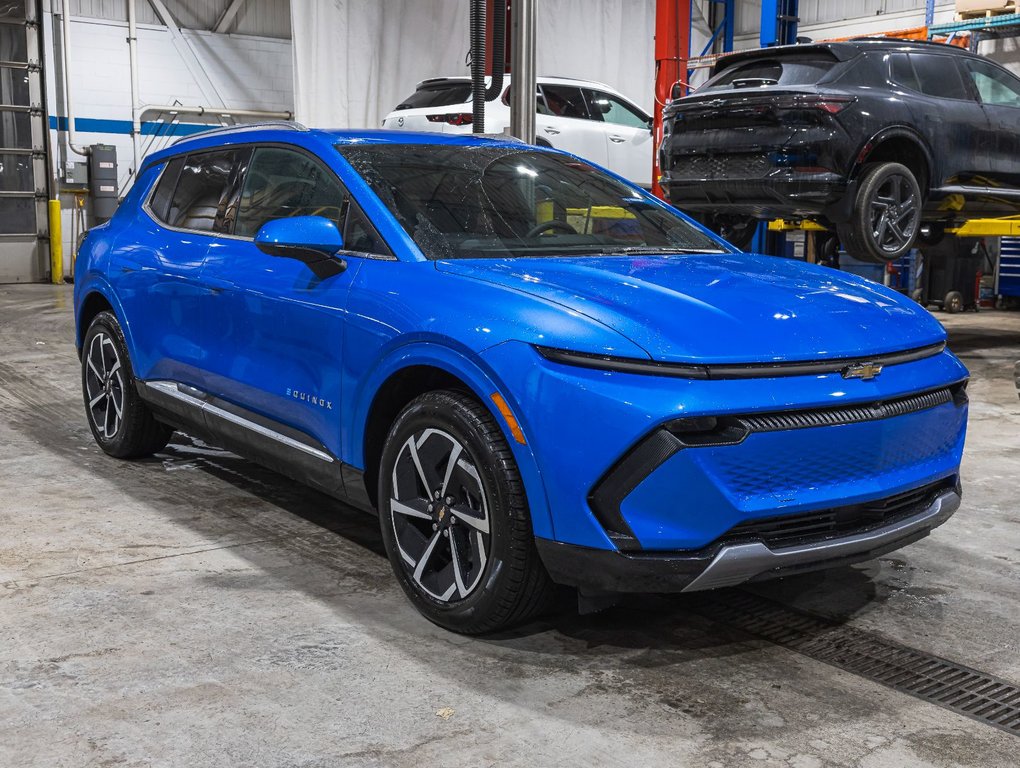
729 564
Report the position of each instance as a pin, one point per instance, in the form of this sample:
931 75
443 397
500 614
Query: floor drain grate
967 691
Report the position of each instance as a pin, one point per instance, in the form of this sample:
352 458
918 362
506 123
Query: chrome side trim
737 563
172 389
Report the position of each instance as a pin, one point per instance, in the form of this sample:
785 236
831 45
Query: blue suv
533 371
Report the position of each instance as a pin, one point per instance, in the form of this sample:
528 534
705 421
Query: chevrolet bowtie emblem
864 371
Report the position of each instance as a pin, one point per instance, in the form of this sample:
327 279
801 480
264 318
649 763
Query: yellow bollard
56 244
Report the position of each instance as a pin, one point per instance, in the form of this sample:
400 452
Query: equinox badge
863 371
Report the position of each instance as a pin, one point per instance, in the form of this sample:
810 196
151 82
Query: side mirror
312 240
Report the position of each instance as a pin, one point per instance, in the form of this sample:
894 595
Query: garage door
22 160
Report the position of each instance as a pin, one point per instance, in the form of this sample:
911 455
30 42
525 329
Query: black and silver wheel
454 517
953 302
887 214
120 422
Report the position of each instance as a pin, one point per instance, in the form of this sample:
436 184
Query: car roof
549 79
842 50
295 133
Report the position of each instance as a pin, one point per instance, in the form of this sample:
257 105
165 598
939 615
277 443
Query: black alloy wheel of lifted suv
883 140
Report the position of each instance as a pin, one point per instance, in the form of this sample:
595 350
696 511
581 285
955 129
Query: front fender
483 381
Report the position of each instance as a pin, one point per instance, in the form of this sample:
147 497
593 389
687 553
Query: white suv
586 118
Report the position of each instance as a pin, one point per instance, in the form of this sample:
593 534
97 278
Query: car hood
720 308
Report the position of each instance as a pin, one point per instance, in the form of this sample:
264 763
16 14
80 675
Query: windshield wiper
636 250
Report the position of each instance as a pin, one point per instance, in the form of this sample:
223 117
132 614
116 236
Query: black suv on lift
876 137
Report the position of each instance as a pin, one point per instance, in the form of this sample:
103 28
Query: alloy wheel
894 214
440 515
104 385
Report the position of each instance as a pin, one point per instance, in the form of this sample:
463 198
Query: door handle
617 139
216 284
550 131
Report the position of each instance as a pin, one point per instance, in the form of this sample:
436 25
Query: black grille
736 166
789 530
828 417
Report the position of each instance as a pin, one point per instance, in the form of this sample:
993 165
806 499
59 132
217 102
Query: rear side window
201 190
901 71
565 101
437 95
938 76
159 203
804 69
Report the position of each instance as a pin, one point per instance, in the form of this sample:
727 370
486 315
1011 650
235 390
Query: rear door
628 133
159 277
278 327
564 121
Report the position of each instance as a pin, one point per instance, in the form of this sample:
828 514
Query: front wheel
887 214
455 520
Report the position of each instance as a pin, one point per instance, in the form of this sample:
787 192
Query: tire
121 423
953 302
886 215
466 559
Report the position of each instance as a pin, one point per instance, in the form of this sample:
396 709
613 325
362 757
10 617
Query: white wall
246 72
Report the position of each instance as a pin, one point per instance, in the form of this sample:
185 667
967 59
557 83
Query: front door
999 92
279 328
628 133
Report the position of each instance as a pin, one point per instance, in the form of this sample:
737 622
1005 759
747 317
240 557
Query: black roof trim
843 50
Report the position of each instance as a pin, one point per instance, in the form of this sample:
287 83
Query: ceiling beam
226 20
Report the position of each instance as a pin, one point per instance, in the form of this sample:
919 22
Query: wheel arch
898 145
414 370
96 298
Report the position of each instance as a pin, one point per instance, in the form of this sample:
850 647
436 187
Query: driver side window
281 183
610 109
993 85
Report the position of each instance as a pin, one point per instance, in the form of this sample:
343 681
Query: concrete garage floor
196 610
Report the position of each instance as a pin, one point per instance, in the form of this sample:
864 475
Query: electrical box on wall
103 181
76 174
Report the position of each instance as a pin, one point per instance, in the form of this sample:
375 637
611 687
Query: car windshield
459 202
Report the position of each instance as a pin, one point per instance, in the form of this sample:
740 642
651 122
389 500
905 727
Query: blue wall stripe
95 125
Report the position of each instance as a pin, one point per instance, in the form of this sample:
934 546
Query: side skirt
274 445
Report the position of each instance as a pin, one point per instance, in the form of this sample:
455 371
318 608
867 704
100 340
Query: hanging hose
498 50
478 66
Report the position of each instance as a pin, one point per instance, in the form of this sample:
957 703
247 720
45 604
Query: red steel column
672 50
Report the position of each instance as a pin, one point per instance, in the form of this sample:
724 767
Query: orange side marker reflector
503 408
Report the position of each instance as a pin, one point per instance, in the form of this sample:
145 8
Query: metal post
523 103
136 123
672 50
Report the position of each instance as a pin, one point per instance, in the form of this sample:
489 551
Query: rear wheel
121 423
886 216
455 520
